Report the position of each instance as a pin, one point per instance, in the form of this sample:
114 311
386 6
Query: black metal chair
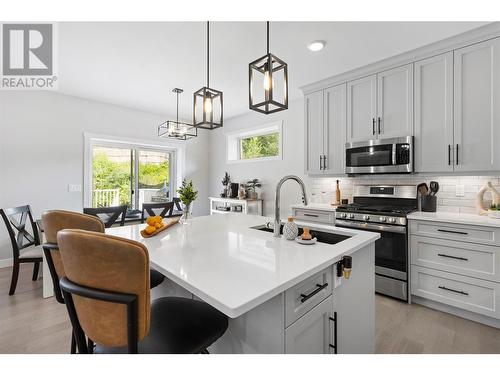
109 305
178 207
108 215
148 209
111 215
25 245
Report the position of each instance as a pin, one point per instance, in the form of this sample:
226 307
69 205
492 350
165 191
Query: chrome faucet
277 219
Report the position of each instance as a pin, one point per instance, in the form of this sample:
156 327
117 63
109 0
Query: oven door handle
372 226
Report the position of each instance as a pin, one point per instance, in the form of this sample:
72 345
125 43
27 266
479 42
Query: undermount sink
324 237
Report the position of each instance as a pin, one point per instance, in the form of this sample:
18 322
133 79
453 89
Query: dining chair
178 207
25 243
106 289
109 215
148 209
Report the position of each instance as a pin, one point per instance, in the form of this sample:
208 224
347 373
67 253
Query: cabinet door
477 107
395 102
434 114
312 333
361 108
314 132
335 128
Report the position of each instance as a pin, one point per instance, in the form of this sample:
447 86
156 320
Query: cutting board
166 226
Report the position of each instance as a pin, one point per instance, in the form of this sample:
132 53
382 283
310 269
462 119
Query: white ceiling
137 64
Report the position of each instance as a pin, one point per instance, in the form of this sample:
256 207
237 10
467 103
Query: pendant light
268 83
207 106
176 129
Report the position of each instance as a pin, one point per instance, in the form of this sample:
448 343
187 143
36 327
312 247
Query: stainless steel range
383 209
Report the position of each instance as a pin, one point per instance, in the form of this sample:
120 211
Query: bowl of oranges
155 225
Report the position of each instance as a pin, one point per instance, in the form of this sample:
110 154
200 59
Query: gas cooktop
373 208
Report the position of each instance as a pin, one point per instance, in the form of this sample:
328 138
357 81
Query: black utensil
434 186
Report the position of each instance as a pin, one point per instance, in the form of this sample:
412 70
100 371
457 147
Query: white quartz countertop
449 217
316 206
233 267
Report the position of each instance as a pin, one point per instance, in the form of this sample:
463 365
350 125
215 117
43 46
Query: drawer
478 296
459 232
316 216
464 258
302 297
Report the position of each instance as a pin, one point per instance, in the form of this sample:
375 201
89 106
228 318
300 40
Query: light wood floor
31 324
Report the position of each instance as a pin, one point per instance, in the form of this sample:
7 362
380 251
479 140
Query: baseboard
492 322
4 263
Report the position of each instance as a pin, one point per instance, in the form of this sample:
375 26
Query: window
260 143
132 174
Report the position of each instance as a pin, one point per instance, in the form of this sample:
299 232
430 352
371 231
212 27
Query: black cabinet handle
453 290
452 231
449 154
373 125
379 125
452 257
311 215
320 163
324 162
334 320
457 154
319 288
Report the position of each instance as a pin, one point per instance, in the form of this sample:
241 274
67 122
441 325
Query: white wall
269 172
41 149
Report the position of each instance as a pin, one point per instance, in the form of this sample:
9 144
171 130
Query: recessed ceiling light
316 45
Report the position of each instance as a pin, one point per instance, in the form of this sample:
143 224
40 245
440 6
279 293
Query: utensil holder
428 203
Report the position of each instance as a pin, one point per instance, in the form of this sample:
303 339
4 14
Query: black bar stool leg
73 343
15 276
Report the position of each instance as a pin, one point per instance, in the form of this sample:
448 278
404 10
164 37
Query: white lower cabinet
455 268
312 333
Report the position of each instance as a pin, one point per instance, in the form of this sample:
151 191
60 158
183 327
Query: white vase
290 229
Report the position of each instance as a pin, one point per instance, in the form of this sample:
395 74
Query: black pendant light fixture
177 129
268 83
208 106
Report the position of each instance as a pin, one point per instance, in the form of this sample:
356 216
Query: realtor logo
28 56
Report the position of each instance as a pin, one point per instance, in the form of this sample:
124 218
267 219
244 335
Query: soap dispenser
290 229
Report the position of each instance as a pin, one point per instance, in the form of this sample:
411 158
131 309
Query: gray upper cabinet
395 102
314 132
381 105
477 107
434 114
361 109
325 119
335 128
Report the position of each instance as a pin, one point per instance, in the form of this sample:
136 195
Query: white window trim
92 139
237 136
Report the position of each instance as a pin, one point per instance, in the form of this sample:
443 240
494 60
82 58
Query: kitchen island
280 296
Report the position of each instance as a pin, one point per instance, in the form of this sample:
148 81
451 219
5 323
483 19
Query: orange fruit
151 220
150 229
158 225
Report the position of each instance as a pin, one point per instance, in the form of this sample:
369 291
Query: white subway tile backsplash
323 189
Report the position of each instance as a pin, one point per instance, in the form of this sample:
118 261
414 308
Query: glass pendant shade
208 103
208 108
177 129
268 83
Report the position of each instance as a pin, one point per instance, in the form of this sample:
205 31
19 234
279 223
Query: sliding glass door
130 176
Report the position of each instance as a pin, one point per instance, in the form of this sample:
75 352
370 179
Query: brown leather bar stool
106 289
112 215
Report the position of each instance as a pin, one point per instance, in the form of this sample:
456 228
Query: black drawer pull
453 290
319 288
311 215
452 257
452 231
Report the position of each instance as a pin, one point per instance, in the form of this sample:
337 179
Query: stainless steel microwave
391 155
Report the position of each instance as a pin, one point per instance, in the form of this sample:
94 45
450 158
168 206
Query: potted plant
251 186
187 195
